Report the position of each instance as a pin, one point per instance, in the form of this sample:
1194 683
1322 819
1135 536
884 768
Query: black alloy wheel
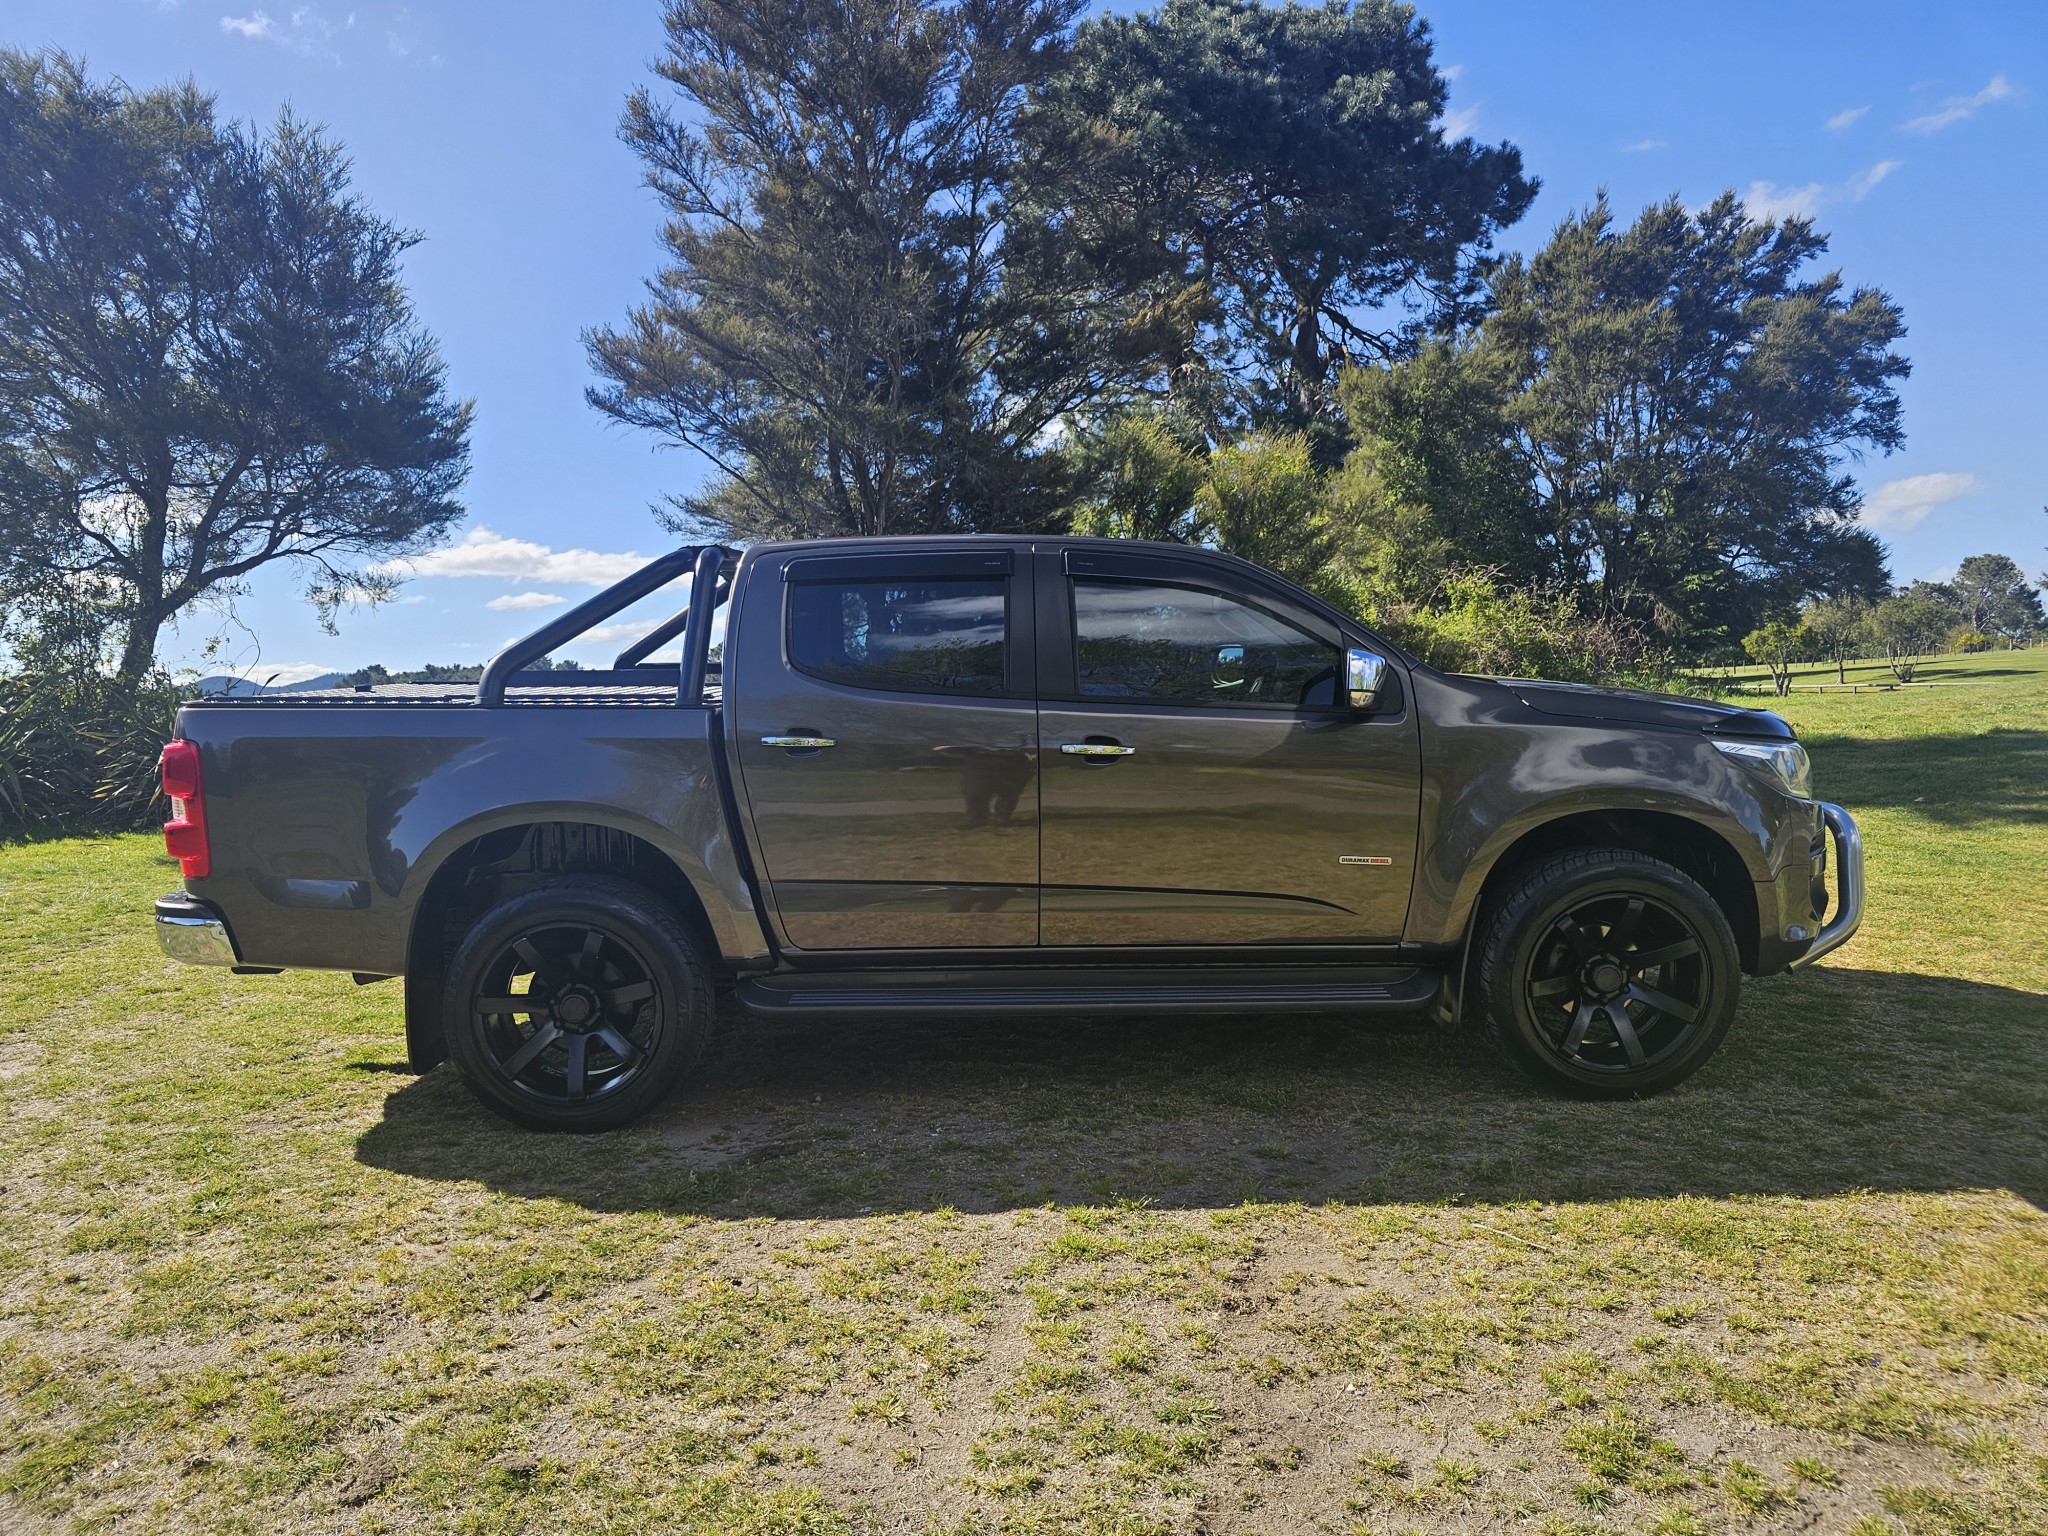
575 1006
1618 984
1608 973
567 1012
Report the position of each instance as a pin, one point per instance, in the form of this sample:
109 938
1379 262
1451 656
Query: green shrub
78 750
1780 645
1475 625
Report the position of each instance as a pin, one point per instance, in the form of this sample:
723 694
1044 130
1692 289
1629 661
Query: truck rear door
883 715
1202 783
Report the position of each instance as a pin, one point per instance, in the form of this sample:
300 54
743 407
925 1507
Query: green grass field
1241 1275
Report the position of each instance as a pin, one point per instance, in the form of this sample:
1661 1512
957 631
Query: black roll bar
697 623
671 626
490 688
655 638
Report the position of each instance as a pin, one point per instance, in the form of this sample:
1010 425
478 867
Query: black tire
621 1004
1607 974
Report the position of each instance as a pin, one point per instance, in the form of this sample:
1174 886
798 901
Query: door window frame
1019 649
1059 663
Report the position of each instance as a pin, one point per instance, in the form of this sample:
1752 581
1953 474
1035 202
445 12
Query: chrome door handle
1094 749
811 743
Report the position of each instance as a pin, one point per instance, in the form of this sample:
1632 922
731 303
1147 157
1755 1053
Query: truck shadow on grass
1999 775
1833 1081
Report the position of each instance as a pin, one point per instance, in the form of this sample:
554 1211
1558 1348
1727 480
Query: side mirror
1229 671
1364 676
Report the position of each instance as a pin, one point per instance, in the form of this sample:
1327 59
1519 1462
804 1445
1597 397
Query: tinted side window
1144 640
928 635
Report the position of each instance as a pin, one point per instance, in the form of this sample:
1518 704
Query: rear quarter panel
328 822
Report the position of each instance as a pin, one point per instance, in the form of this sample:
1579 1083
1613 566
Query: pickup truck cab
981 775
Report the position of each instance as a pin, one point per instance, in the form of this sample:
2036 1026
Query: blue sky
1914 133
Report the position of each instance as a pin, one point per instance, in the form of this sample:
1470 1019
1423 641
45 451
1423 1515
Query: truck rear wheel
576 1006
1607 974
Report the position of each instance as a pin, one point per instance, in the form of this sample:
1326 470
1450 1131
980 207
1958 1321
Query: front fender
1494 771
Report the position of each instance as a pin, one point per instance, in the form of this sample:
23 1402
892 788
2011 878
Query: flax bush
77 749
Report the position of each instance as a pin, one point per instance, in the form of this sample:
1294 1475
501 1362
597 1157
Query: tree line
1988 600
1214 272
1217 272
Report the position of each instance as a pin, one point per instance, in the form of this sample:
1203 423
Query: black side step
1186 989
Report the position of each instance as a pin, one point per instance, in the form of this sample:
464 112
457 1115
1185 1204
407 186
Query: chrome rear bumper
1847 915
189 930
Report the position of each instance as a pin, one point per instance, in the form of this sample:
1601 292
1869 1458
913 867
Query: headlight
1785 762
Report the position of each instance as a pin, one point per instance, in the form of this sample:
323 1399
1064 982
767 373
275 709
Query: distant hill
236 687
223 685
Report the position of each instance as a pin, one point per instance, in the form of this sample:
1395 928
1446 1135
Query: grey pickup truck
979 775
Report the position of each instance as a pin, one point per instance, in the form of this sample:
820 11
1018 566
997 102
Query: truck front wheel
575 1006
1607 974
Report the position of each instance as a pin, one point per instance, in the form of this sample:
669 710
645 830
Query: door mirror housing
1365 676
1229 671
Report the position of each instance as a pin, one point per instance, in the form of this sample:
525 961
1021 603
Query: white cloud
1768 200
1844 118
611 634
1643 146
1956 108
304 32
1452 72
304 29
527 600
484 553
1461 123
1899 506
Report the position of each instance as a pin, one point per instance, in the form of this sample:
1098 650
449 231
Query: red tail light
185 832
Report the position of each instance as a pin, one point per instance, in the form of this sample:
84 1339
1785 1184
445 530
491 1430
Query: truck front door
882 709
1203 782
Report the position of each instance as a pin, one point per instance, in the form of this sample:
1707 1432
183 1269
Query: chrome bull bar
1847 915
